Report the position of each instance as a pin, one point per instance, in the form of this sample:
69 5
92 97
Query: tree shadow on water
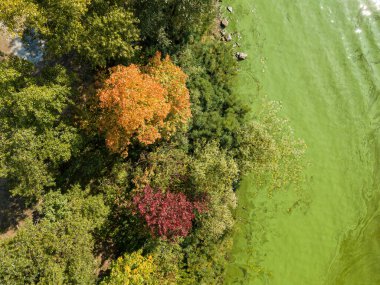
12 209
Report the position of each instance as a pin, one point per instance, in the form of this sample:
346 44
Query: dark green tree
165 25
218 112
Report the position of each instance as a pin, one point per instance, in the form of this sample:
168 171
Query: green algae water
321 59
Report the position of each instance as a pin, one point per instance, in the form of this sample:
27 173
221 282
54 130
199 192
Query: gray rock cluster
228 37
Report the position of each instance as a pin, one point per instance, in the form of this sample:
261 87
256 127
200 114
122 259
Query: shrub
56 249
132 269
167 215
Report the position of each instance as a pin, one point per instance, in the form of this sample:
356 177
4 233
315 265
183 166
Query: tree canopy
90 31
58 247
36 137
128 158
143 106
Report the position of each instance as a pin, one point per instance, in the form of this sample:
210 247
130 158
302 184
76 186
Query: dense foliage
167 215
35 137
129 159
132 269
144 106
57 247
96 32
167 25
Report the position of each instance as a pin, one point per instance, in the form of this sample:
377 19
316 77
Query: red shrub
167 214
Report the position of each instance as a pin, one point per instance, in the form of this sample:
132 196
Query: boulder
224 23
229 9
241 55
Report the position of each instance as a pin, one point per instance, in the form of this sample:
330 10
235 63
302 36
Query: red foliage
168 215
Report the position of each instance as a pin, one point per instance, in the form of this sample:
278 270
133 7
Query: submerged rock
241 55
228 38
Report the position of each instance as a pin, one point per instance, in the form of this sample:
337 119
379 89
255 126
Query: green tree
18 13
94 32
168 257
35 135
165 168
165 25
214 172
57 248
218 113
108 37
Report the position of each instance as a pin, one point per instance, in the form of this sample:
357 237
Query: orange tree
145 103
173 79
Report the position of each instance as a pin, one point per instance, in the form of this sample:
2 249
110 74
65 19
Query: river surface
321 59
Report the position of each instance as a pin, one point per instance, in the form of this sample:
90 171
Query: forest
125 145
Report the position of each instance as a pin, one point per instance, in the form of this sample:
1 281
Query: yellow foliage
14 13
173 79
132 269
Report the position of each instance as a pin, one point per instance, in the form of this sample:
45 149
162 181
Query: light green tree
132 269
269 150
35 136
57 247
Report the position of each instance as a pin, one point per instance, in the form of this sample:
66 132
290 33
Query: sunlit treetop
173 79
143 106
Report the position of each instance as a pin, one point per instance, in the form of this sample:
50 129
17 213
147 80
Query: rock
229 9
241 55
223 32
228 38
224 23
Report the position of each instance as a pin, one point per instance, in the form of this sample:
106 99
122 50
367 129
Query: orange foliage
133 104
173 79
145 106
